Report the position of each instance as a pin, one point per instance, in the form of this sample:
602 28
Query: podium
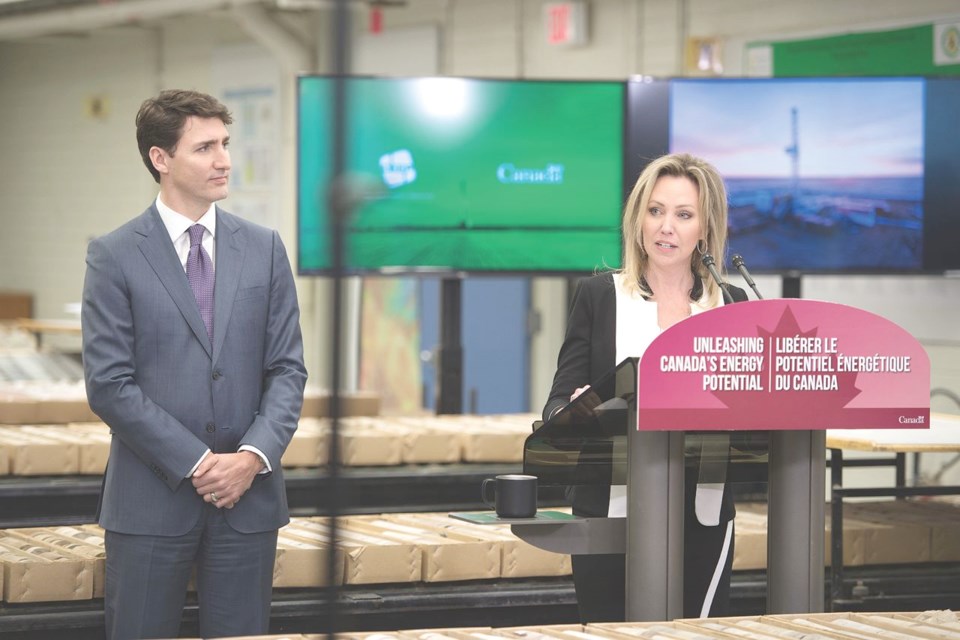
793 368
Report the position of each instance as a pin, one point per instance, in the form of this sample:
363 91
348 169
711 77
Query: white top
637 323
637 327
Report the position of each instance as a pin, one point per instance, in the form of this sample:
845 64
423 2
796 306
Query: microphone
742 268
710 264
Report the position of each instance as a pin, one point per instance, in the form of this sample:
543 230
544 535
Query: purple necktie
200 277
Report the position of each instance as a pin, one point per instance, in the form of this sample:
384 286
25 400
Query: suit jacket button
217 374
211 427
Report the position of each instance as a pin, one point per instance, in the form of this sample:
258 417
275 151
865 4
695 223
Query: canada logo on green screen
508 173
397 168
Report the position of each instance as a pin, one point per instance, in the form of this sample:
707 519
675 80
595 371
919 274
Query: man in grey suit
193 357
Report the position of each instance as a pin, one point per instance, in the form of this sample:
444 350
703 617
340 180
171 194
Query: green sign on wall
914 51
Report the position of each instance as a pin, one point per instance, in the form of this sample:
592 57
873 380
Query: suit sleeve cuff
266 463
202 458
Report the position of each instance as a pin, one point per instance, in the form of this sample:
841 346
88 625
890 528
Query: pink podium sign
784 364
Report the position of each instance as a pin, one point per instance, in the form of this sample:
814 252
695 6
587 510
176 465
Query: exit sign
566 23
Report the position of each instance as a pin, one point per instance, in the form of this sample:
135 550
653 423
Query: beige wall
66 176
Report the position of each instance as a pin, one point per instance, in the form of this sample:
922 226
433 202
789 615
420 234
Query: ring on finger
214 497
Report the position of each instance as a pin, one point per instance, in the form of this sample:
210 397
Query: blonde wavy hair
712 209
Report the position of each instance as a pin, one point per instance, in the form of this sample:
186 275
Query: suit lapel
229 256
158 251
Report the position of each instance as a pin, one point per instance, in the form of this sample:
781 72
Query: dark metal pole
836 526
654 525
340 206
795 515
450 354
792 285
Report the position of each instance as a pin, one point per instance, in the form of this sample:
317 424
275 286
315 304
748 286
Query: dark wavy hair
160 120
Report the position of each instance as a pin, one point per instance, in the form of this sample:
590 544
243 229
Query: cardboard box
95 453
71 542
93 448
889 625
945 535
462 634
95 432
820 624
824 626
61 410
362 444
869 537
365 635
368 559
96 427
4 459
363 447
91 538
518 559
458 633
316 403
942 518
888 538
34 573
790 630
543 632
302 564
15 305
563 632
750 541
309 445
865 626
17 408
31 454
295 636
944 621
733 628
44 402
360 403
653 630
93 533
444 557
490 439
420 445
836 625
50 402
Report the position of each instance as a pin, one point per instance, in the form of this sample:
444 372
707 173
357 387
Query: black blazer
590 346
589 351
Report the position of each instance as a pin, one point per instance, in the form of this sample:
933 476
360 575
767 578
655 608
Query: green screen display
465 174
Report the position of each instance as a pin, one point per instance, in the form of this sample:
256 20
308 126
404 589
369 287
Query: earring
702 250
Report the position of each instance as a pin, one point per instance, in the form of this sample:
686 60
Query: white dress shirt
177 225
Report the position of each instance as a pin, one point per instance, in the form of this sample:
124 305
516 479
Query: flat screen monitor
456 174
829 175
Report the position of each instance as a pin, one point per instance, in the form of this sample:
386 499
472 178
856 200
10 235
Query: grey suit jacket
167 394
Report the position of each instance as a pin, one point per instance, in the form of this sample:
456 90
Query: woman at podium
675 215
